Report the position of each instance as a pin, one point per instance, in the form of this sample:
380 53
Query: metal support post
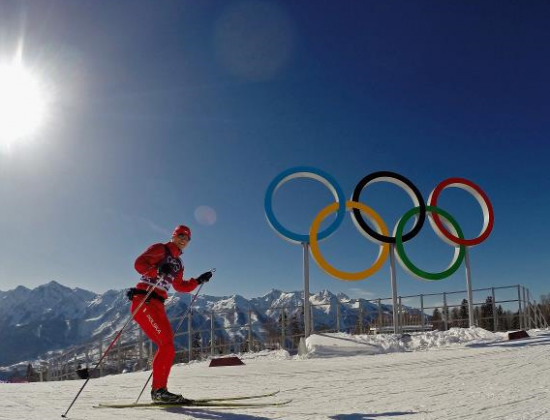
393 280
422 321
361 315
249 329
212 338
401 317
379 316
495 317
337 315
311 320
544 324
283 338
307 312
520 309
531 311
469 288
537 316
526 310
445 312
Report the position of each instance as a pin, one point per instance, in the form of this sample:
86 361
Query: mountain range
53 317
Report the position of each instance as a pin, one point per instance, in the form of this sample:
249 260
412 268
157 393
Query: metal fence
495 309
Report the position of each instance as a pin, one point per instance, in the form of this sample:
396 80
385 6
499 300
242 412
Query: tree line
484 315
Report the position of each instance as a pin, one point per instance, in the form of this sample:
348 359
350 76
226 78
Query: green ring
406 262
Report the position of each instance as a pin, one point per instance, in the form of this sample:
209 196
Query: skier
160 267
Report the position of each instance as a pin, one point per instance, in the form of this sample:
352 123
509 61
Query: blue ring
304 172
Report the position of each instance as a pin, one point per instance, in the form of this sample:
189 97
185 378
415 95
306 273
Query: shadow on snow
541 340
205 413
371 416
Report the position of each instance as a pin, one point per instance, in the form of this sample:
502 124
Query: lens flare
205 215
22 103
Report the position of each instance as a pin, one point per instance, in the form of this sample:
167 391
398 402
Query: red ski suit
152 316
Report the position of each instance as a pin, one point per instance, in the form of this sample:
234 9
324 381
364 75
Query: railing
496 308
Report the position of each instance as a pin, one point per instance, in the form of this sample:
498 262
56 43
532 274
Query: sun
22 103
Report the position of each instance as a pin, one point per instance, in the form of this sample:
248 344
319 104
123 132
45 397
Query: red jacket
148 263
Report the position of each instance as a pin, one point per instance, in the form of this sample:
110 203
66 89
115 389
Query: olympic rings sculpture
444 225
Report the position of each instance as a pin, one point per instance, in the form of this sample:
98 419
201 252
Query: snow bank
260 355
342 344
266 354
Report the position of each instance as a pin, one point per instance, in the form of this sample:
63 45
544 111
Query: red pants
154 322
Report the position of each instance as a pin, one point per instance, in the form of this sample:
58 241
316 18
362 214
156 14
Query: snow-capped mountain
50 317
53 317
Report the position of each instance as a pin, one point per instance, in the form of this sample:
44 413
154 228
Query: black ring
358 218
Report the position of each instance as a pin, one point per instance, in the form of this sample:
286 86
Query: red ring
432 201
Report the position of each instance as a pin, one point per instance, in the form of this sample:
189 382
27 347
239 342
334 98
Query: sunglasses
184 237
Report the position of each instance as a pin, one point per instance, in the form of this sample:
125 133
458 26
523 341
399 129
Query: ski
194 401
197 403
238 398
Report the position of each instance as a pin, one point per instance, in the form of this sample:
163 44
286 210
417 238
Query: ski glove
204 277
164 269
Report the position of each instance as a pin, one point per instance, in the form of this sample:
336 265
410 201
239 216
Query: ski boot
163 396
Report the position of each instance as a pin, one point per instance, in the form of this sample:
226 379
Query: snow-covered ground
458 374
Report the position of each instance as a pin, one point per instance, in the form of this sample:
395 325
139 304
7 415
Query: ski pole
175 332
117 336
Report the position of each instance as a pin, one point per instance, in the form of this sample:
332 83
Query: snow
327 345
458 374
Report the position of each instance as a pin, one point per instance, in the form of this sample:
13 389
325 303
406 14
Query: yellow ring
346 275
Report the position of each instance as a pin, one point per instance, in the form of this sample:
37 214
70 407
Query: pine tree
486 321
358 329
437 324
244 345
196 346
464 315
295 330
545 306
515 321
220 344
273 334
283 321
455 317
445 316
501 320
477 315
30 373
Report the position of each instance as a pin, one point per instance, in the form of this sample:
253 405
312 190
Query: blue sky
160 110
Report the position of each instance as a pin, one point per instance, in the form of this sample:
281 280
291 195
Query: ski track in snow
485 381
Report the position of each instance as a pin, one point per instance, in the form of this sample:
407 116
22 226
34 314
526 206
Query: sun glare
21 104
